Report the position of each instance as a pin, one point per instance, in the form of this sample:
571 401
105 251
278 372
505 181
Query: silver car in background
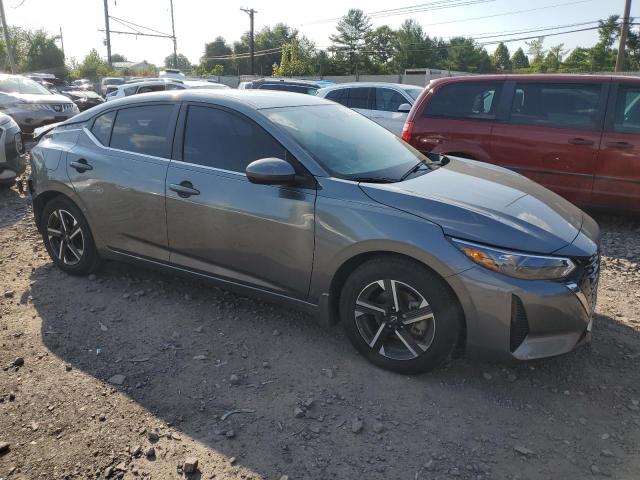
12 152
299 200
387 104
31 105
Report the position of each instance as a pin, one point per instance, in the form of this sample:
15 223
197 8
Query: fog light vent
519 323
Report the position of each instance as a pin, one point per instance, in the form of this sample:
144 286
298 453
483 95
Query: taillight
407 130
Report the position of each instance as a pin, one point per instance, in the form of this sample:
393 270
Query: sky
200 21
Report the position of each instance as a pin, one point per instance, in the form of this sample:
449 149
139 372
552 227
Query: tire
420 335
70 244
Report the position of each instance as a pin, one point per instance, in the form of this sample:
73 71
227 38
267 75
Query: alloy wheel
394 319
66 238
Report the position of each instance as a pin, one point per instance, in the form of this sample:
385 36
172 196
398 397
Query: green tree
537 53
579 60
43 55
500 59
466 56
93 66
379 49
212 52
553 60
183 62
352 31
519 60
118 57
291 64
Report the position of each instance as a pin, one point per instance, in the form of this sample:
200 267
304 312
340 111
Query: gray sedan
300 200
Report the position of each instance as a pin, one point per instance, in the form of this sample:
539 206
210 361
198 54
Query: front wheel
67 237
400 315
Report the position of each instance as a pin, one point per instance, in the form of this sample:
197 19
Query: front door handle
81 165
580 141
184 189
621 145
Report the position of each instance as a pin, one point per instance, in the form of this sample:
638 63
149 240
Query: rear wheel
67 237
399 315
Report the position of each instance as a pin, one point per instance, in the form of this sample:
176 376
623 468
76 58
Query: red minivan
578 135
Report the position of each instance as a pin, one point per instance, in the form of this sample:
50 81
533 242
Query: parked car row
146 85
300 200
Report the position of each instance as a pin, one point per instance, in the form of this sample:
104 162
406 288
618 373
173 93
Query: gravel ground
135 374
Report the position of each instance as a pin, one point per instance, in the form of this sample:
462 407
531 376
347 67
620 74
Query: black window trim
171 128
603 102
500 87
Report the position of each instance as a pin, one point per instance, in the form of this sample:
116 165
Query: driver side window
221 139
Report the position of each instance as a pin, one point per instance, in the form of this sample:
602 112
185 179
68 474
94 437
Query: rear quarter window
476 100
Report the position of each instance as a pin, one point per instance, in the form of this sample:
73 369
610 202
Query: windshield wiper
413 169
374 179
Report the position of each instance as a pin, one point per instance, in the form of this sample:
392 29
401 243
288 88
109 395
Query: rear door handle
621 145
184 189
80 165
581 141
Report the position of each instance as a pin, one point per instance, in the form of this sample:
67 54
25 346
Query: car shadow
191 353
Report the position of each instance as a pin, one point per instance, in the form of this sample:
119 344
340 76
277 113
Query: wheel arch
351 264
41 201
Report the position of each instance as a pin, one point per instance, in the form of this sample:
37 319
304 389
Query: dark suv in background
578 135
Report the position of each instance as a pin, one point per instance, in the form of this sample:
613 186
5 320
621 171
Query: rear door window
102 127
556 105
360 97
151 88
145 129
627 111
477 100
388 100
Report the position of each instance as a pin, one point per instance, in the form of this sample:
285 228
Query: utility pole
250 12
61 41
175 43
624 29
106 27
7 39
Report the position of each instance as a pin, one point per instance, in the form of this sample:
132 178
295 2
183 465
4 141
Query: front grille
60 107
519 323
588 279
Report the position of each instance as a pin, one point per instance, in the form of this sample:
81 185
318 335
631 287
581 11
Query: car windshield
113 81
414 92
22 85
346 143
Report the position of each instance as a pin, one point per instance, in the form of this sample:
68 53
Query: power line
125 22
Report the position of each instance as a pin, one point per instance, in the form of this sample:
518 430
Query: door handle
581 141
621 145
81 165
184 189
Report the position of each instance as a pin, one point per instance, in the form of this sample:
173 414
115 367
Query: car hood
487 204
35 98
81 93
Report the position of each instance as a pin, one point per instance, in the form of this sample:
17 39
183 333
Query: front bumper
525 319
30 120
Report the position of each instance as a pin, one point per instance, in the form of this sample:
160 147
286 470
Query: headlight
514 264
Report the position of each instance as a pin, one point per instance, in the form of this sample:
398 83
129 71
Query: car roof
544 77
155 81
240 99
402 86
290 81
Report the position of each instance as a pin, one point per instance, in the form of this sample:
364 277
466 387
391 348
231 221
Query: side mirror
404 108
271 171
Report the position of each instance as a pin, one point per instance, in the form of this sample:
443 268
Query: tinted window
143 130
359 98
627 112
465 100
388 100
556 105
129 91
151 88
220 139
340 95
102 127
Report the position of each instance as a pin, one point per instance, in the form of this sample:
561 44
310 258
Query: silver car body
391 119
297 244
12 153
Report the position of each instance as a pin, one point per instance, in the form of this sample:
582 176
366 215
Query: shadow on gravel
178 343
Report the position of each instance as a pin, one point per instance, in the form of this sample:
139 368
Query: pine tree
501 58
